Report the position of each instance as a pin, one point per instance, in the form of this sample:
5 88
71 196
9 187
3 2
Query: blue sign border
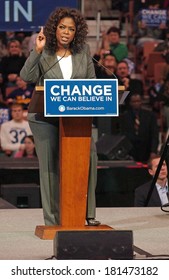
102 103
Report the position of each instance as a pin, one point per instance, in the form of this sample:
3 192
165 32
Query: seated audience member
159 195
140 127
22 94
124 78
107 71
111 41
11 64
28 150
14 131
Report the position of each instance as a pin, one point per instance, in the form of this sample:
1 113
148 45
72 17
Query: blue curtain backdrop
29 15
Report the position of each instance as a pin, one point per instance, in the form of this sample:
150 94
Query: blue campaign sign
29 15
154 17
81 97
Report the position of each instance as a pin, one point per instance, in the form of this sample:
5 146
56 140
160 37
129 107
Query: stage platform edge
49 232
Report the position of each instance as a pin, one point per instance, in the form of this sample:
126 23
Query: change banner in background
154 17
27 15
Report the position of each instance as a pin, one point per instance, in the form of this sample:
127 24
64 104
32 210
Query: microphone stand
163 157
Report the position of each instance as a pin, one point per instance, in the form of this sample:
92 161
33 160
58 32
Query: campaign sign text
154 17
87 97
29 15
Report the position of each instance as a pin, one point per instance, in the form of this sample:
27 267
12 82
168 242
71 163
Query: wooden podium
75 139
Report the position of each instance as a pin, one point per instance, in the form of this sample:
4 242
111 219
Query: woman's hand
40 41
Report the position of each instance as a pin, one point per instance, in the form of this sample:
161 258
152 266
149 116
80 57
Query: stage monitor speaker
113 147
93 245
22 195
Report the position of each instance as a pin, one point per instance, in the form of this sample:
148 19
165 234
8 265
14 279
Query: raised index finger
41 29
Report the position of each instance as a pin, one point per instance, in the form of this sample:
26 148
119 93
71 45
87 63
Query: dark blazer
45 66
147 140
141 195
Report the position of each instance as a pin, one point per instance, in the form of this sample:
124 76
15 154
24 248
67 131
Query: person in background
64 27
22 94
131 84
124 78
159 196
112 43
140 126
28 149
107 68
11 65
14 131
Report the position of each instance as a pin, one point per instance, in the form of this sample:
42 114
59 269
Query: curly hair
50 29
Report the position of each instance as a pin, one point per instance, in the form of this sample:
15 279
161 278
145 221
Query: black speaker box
22 195
113 147
93 245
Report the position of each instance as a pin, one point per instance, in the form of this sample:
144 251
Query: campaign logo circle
61 108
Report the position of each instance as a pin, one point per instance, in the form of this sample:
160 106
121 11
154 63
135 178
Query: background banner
154 17
27 15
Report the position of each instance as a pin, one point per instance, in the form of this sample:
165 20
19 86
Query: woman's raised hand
40 41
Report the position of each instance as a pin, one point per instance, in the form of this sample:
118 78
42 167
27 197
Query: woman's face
65 31
29 145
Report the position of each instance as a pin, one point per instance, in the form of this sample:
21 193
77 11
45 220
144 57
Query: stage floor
150 228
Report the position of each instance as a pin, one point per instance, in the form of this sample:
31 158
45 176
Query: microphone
65 46
166 204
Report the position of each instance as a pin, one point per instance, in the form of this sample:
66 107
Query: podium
75 140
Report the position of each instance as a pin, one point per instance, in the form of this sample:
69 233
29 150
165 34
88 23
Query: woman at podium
60 52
